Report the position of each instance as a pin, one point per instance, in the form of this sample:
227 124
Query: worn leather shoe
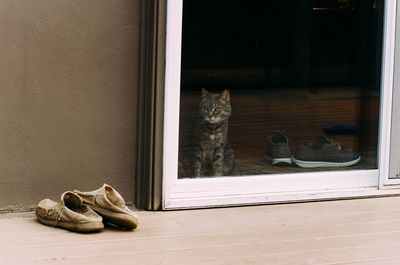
70 213
107 202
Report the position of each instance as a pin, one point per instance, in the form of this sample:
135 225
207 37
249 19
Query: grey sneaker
278 150
324 153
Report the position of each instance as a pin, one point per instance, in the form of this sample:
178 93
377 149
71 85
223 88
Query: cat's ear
225 96
204 92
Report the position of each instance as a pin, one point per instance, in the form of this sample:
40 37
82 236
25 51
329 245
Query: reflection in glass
279 86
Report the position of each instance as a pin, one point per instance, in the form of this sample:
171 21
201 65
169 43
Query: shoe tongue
325 140
278 136
319 142
72 200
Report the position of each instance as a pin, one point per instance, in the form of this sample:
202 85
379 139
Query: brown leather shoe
70 213
107 202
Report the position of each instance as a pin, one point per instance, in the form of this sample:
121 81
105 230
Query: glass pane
279 86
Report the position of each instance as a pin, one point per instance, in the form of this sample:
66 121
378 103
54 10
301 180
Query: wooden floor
336 232
301 113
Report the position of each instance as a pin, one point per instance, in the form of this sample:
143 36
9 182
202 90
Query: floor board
335 232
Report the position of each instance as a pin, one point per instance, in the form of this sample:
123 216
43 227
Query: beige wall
68 87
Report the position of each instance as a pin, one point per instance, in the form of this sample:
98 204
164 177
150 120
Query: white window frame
260 189
393 180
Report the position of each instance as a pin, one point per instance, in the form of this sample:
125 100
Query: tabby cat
212 147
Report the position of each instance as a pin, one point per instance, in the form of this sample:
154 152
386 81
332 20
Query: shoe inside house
278 149
324 153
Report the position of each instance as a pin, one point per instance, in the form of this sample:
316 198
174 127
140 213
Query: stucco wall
68 87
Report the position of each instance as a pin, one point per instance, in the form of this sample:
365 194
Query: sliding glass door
275 100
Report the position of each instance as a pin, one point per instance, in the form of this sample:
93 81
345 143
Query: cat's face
215 108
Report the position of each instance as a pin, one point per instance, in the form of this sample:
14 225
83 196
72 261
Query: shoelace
336 145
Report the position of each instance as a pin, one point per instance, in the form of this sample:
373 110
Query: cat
212 146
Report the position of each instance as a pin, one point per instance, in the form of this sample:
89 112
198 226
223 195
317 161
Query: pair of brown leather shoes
85 211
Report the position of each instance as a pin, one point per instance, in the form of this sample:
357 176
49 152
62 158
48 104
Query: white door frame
260 189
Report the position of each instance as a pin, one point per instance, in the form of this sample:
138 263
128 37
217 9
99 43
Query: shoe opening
114 197
72 201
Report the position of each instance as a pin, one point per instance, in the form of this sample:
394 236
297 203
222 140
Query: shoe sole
120 219
279 161
80 228
314 164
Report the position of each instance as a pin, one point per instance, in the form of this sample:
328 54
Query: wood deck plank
335 232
